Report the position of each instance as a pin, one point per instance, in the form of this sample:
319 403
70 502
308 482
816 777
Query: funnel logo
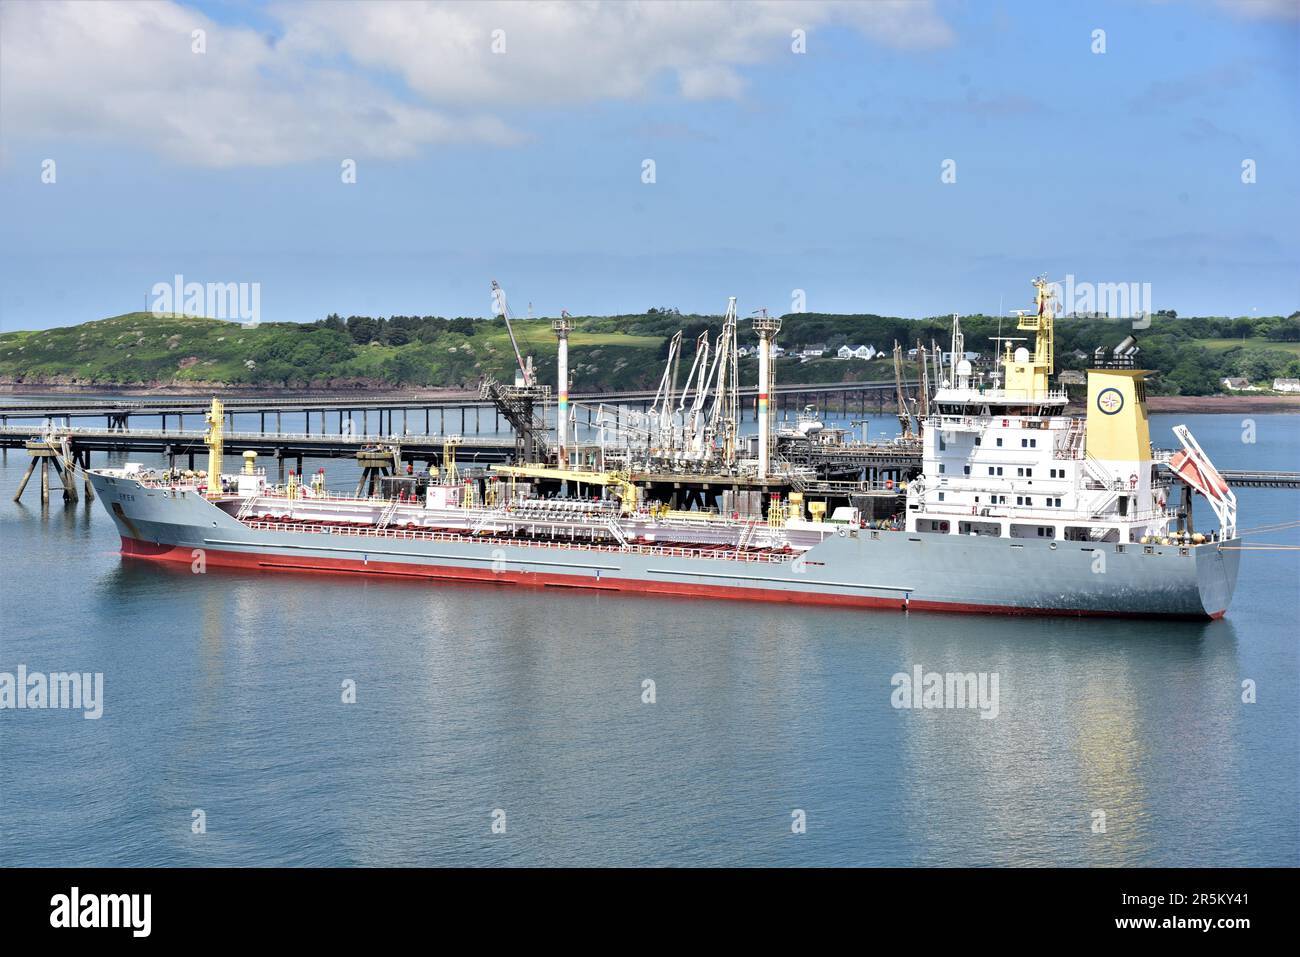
1110 401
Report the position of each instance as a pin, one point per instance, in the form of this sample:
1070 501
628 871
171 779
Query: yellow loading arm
626 491
214 441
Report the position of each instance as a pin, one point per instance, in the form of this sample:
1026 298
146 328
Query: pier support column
64 470
85 466
31 467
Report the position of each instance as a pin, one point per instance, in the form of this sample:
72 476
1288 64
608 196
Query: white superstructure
1006 459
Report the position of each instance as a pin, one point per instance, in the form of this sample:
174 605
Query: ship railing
234 438
953 423
838 487
1034 513
428 535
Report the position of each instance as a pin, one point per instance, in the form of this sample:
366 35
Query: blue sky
774 171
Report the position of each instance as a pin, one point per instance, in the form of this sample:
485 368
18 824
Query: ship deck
415 534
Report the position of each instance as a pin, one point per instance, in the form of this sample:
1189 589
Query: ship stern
1217 565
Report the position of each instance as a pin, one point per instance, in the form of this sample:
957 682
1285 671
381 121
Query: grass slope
606 353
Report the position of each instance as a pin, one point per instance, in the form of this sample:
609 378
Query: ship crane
502 308
517 403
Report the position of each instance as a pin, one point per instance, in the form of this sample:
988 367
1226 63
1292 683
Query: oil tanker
1019 507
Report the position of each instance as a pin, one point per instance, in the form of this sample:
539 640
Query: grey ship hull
854 567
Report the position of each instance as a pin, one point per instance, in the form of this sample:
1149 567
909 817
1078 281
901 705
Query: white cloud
382 78
563 52
1262 9
126 72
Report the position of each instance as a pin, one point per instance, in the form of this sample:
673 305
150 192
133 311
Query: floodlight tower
767 327
562 327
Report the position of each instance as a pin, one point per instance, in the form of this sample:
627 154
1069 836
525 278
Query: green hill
607 353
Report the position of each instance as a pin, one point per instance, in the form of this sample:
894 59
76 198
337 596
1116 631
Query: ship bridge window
965 470
999 443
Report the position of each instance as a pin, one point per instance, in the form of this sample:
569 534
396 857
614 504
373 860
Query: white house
1238 385
856 352
1286 385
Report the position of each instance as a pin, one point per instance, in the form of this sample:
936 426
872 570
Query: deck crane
518 403
502 308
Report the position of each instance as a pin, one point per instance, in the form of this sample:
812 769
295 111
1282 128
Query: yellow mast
214 441
1030 377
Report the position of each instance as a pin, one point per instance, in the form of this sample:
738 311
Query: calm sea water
223 693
